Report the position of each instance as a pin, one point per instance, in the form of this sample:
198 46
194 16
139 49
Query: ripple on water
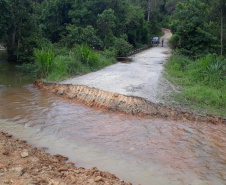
139 150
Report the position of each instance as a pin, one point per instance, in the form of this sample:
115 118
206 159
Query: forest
78 36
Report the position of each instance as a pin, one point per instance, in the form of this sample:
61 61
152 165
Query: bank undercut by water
126 104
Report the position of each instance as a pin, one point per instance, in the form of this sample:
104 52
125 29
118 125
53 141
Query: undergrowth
3 55
54 64
203 82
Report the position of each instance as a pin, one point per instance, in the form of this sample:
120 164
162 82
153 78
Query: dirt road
142 77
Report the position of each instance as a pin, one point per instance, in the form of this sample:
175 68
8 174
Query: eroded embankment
127 104
20 164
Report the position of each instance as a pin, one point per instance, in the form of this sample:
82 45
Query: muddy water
145 151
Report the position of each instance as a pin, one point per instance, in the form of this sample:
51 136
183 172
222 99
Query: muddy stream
139 150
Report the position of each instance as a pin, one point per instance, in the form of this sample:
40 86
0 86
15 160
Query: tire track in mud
137 106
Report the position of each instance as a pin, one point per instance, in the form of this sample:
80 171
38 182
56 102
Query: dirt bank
20 164
127 104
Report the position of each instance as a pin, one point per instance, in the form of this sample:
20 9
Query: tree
79 35
106 24
218 14
54 17
195 36
17 23
106 21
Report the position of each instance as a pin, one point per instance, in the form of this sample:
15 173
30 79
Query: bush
90 58
87 56
122 47
80 60
174 41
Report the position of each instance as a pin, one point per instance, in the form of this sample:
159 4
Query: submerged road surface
142 77
140 150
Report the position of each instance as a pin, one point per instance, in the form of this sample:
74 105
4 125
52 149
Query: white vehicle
155 41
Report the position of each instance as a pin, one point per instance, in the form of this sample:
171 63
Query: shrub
88 57
80 60
121 46
174 41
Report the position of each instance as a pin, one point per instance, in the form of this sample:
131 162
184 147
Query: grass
45 61
202 82
56 65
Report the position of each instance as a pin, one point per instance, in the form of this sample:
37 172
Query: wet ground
142 77
21 164
138 150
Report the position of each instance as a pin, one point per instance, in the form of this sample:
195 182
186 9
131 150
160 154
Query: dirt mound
20 164
127 104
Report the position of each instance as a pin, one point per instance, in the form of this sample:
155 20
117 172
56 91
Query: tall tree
16 23
192 29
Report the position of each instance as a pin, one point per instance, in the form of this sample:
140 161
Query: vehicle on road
155 41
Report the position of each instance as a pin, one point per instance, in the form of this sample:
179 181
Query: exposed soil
126 104
141 78
20 164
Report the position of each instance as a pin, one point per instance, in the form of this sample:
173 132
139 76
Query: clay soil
20 164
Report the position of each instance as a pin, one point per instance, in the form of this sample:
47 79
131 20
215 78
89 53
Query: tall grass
203 81
44 59
58 65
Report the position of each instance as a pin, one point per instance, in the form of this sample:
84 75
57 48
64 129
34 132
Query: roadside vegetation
55 39
198 63
115 25
3 55
55 65
202 82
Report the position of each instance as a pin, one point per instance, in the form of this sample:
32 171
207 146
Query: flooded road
142 151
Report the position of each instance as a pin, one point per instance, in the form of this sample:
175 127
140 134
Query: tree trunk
149 10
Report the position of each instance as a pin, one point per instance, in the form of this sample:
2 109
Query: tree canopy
120 25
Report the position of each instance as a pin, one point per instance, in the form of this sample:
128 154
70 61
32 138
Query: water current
139 150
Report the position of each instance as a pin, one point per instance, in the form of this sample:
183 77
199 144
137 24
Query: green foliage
59 71
106 22
194 35
79 35
174 40
80 60
205 95
210 70
203 81
17 22
45 60
121 46
90 58
54 17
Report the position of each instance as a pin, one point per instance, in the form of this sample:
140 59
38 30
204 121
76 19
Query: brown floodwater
140 150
